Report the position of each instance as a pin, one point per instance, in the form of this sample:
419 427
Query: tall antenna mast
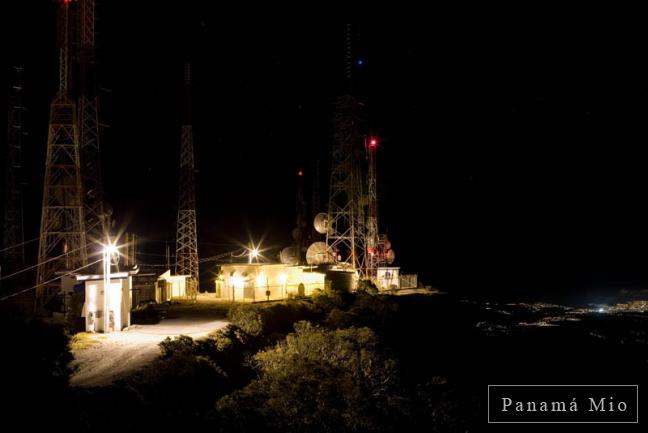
186 236
13 233
62 234
374 253
343 238
97 227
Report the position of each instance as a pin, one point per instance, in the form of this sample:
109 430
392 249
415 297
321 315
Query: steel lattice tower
95 218
186 236
373 259
62 234
13 233
345 235
340 237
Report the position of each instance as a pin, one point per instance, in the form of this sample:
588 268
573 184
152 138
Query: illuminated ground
109 357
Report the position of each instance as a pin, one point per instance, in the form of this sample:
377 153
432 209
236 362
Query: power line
37 264
18 245
4 298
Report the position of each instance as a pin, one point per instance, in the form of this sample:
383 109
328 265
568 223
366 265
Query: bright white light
283 278
254 253
238 282
110 249
261 280
601 310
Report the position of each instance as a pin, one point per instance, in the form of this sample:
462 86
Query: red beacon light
373 143
300 173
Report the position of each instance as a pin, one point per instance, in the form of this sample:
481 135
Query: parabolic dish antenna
318 254
288 256
321 223
390 257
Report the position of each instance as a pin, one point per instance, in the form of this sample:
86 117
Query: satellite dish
296 233
318 254
288 256
390 257
321 223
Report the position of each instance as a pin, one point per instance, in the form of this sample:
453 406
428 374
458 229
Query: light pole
283 278
254 253
108 250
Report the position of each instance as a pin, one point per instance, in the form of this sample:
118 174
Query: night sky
511 159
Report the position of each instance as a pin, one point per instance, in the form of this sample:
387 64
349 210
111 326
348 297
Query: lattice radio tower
344 237
13 233
186 236
62 233
96 223
374 252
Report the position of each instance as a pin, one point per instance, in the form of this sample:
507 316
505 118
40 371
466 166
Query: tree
319 380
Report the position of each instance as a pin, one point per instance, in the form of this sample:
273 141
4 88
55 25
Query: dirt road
114 356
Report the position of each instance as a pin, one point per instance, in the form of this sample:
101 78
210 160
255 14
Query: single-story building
171 287
103 310
250 282
387 278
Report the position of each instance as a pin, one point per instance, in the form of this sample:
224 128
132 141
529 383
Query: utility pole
187 235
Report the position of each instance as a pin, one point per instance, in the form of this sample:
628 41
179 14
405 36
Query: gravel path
118 355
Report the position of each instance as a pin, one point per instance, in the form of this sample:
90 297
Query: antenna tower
344 237
62 233
186 236
96 224
13 233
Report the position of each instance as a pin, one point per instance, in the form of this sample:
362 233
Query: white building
171 287
387 278
243 282
103 310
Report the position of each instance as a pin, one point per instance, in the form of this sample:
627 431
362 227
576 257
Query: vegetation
34 371
85 340
318 380
337 362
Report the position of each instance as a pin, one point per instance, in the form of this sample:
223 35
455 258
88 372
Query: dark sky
512 158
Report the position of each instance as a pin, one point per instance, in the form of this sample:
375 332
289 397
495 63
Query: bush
259 320
326 300
319 380
181 385
248 318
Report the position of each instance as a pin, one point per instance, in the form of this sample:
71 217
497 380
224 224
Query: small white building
103 310
243 282
170 287
387 278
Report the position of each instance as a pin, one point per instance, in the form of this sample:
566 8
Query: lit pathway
118 355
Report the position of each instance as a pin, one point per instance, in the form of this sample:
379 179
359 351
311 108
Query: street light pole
108 250
254 253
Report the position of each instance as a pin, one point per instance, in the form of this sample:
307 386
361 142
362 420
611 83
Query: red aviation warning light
372 143
300 173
